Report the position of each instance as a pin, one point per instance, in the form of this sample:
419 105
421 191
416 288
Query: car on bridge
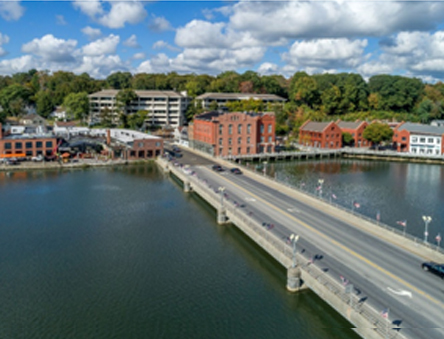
434 268
235 170
217 168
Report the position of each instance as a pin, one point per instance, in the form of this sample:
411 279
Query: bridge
356 266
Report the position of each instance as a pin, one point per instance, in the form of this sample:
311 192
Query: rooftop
349 124
215 114
315 126
422 129
139 93
240 96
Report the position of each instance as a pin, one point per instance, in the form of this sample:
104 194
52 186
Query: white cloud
60 20
163 44
51 48
21 64
132 42
11 10
4 39
268 68
100 66
92 33
326 53
159 24
139 56
120 13
102 46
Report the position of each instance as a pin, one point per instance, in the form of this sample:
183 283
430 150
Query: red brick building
356 129
235 133
320 134
26 145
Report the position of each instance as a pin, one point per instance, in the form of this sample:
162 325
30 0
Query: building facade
165 108
356 129
26 145
236 133
223 98
419 139
320 135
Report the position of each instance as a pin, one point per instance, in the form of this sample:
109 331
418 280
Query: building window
270 139
414 139
221 129
8 145
430 140
262 139
28 144
403 138
268 149
220 151
29 153
229 141
220 141
230 129
239 141
248 150
262 129
239 150
49 144
422 140
140 144
248 128
326 136
248 140
269 128
239 129
18 145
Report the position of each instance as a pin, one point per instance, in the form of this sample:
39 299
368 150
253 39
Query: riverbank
27 166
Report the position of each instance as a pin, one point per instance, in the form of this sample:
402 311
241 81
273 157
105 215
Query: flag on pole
378 216
334 196
402 223
438 238
385 313
356 204
344 281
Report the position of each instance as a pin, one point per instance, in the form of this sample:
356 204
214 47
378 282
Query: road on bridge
383 274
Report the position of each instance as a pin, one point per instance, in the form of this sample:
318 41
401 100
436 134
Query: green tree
124 98
77 105
13 99
119 80
347 138
136 120
44 103
378 132
107 117
213 106
305 91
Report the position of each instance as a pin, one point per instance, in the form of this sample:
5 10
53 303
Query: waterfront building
32 119
320 135
223 98
165 108
356 129
419 139
26 145
235 133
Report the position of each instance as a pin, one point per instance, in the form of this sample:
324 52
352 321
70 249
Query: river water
124 253
398 191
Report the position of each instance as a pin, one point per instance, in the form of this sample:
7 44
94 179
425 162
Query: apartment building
320 134
419 139
166 108
223 98
356 129
236 133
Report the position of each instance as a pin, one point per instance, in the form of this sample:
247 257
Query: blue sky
274 37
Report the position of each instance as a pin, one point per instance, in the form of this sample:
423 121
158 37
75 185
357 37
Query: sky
211 37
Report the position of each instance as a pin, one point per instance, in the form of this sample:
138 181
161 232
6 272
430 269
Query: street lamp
427 220
294 239
320 182
221 190
265 168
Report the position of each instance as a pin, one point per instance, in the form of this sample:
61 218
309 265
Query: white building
59 113
422 139
165 108
223 98
438 123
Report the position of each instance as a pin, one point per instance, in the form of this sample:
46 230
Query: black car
217 168
434 268
235 170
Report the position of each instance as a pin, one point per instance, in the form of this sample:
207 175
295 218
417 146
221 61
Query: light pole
221 191
265 168
427 220
320 182
294 239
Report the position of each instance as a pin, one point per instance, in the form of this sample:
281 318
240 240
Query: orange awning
14 155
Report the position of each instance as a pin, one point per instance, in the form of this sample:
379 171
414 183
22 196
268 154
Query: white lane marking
249 199
401 292
295 210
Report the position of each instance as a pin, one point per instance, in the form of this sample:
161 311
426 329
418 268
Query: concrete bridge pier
222 216
294 281
186 186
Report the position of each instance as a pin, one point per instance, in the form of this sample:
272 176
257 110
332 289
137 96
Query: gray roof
315 126
240 96
422 129
139 93
349 124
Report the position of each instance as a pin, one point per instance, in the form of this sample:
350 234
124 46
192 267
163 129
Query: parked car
177 149
12 162
235 170
217 168
434 268
38 158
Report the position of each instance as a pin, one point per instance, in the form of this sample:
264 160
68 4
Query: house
32 119
181 135
419 138
320 135
356 129
59 113
236 133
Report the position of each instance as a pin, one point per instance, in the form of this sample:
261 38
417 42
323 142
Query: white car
38 158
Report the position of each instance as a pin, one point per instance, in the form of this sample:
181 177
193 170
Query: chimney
108 137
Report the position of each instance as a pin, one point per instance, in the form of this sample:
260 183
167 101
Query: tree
136 120
124 98
13 99
377 133
347 138
107 117
44 103
119 80
213 106
77 105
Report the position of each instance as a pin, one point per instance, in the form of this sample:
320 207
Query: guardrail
281 250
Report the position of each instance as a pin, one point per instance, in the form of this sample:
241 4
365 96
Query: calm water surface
399 191
124 253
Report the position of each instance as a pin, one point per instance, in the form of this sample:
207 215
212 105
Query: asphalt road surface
384 275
